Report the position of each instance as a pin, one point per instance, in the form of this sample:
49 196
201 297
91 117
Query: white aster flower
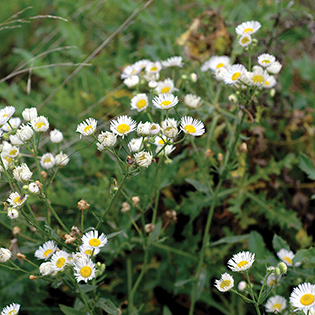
215 63
241 261
6 165
274 68
22 173
59 260
16 200
25 133
92 239
220 73
33 188
270 82
303 297
167 150
141 64
165 101
266 60
250 27
276 304
61 159
14 122
152 84
192 101
46 268
169 127
154 129
12 309
15 140
132 81
234 73
87 127
130 71
5 255
89 250
29 113
5 114
166 86
47 161
13 213
143 129
107 139
56 136
143 159
287 256
258 77
176 61
84 270
40 124
122 126
153 67
310 311
192 126
135 145
160 141
170 122
46 250
245 40
225 283
272 280
9 150
140 102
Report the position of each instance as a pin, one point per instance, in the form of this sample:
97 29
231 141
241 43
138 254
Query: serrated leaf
306 165
197 185
107 305
256 245
231 240
71 311
278 243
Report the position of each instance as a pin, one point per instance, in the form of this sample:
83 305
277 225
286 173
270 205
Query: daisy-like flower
241 261
87 127
5 255
46 269
56 136
233 75
169 127
92 239
46 250
192 101
59 260
140 102
272 280
166 86
153 67
143 129
225 283
143 159
9 152
15 140
89 250
215 63
160 141
276 304
22 173
6 165
107 139
33 188
5 114
16 200
141 64
14 122
165 101
13 213
220 73
266 60
274 68
135 145
130 71
245 40
29 113
270 82
47 161
176 61
250 27
132 81
303 297
122 126
61 159
166 151
287 256
192 126
154 129
40 124
84 270
25 133
258 76
12 309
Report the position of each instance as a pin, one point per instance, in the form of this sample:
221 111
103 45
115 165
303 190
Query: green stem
129 282
56 215
84 300
6 174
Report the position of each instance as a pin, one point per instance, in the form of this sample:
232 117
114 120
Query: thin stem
129 282
56 216
84 300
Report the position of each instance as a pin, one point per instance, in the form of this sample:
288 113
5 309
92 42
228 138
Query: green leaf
305 255
231 240
107 305
180 283
256 245
306 165
197 185
278 243
166 311
85 288
264 295
71 311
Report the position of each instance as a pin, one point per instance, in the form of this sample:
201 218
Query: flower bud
242 286
193 77
277 271
283 267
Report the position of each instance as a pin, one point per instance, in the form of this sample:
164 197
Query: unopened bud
171 214
233 98
16 230
32 277
208 153
6 136
125 207
283 268
149 227
272 92
277 271
242 286
83 205
152 84
21 256
184 77
193 77
220 157
135 200
44 174
243 147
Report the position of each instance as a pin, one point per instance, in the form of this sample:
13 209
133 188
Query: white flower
14 122
270 82
5 114
25 133
5 255
15 140
153 67
152 77
167 150
47 161
152 84
6 165
29 113
160 141
61 159
33 188
46 268
11 309
40 124
46 250
276 304
143 129
245 40
88 250
266 60
22 173
140 102
176 61
92 239
84 270
154 129
56 136
192 101
258 77
122 126
13 213
169 127
250 27
170 122
165 101
9 152
303 296
242 285
132 81
87 127
220 73
273 280
215 63
130 71
16 200
310 311
135 145
241 261
225 283
166 86
287 256
59 260
141 64
274 68
143 159
192 126
106 140
234 74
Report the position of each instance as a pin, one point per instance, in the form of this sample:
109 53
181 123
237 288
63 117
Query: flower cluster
12 309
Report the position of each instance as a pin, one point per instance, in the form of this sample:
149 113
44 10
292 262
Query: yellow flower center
9 159
267 82
288 260
87 128
17 200
47 160
266 61
307 299
141 104
165 103
161 142
258 78
60 262
225 283
248 30
47 252
272 282
190 129
39 124
245 40
89 252
133 71
242 263
236 75
13 312
166 89
123 128
85 271
154 68
94 242
220 65
277 307
13 152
